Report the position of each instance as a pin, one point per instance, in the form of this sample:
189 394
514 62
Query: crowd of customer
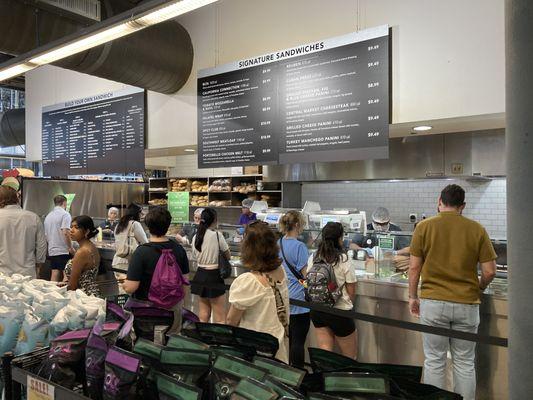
445 253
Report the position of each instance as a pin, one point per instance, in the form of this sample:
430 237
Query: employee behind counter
381 223
109 225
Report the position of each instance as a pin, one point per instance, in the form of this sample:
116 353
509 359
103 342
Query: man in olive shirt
446 251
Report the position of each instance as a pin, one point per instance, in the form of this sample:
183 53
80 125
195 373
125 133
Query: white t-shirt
208 257
54 222
344 273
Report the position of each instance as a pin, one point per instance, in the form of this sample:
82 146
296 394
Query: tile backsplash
486 200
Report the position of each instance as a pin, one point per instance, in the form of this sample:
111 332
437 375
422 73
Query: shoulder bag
297 274
125 249
224 266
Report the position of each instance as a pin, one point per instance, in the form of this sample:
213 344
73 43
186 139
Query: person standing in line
332 328
295 255
208 243
145 258
82 269
23 242
57 229
260 298
129 230
446 251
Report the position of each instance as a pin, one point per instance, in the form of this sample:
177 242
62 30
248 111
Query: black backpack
321 285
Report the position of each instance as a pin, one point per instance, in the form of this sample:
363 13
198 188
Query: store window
11 157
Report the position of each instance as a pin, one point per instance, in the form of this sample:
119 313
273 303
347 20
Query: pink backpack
166 289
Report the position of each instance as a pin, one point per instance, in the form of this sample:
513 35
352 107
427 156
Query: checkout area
382 288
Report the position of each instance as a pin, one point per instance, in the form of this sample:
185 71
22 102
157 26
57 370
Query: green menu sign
70 199
178 206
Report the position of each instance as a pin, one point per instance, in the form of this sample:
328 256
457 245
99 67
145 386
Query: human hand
72 251
414 307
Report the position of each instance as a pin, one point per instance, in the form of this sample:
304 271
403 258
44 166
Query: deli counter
382 290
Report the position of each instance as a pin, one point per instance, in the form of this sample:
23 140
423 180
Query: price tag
39 390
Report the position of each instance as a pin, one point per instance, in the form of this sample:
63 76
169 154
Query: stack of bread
158 202
199 186
220 203
244 188
199 201
220 185
179 185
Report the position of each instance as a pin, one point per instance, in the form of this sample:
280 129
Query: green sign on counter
386 243
178 206
70 199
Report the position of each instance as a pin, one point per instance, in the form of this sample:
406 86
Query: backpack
321 285
166 288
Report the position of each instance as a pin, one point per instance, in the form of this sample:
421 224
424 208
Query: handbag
297 274
224 266
125 249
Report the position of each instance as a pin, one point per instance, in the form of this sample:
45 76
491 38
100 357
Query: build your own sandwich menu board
323 101
95 135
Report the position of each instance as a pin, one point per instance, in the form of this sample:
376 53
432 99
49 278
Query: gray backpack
321 285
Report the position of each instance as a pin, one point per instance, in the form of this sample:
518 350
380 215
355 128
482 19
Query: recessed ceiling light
422 128
190 150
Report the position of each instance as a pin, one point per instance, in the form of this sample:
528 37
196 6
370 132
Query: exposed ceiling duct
158 58
12 127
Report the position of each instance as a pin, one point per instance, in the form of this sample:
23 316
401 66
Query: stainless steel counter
384 344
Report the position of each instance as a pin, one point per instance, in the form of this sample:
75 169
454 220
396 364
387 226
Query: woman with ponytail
81 271
207 245
328 327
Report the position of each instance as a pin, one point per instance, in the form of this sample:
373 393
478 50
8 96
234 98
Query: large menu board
324 101
95 135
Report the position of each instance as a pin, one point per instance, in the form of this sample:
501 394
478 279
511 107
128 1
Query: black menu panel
95 135
325 101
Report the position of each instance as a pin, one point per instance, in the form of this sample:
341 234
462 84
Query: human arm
404 252
135 271
139 233
41 246
487 257
303 256
415 269
79 262
488 272
65 231
350 290
234 316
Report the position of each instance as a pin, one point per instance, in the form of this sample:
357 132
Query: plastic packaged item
226 373
150 354
10 323
33 333
283 373
172 389
182 342
251 389
188 366
282 390
121 373
348 384
65 362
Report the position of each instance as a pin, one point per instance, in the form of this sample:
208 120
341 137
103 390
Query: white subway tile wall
486 200
187 166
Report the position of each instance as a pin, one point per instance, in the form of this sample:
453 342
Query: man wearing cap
381 222
247 215
22 240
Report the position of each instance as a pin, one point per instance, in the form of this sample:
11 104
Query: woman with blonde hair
295 255
260 298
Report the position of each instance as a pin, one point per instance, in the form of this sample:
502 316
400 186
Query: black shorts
59 262
341 326
207 277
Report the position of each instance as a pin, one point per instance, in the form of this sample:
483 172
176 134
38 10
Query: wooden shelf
269 191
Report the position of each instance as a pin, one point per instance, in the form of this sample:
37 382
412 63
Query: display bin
16 372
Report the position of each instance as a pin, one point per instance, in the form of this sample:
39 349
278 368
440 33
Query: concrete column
519 143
